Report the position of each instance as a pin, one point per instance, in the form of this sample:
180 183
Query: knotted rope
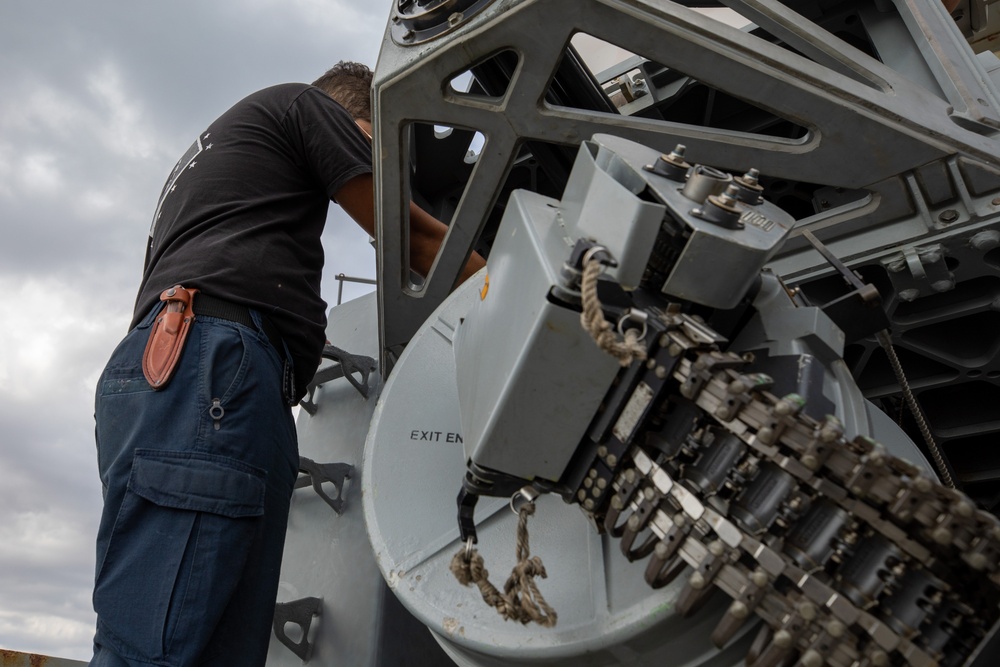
521 600
626 349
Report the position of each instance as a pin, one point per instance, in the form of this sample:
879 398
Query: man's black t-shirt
241 215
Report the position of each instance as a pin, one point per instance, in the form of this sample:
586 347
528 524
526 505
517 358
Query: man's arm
357 198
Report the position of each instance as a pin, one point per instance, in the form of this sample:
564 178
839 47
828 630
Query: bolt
661 372
996 201
811 658
977 561
455 19
943 285
408 36
737 387
909 294
879 658
783 639
738 610
941 535
987 240
950 215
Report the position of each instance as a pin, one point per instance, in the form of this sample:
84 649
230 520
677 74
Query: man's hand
357 198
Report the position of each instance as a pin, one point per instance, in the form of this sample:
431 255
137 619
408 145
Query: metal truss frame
886 127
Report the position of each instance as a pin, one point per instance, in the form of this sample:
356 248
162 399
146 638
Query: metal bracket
917 272
347 365
300 612
860 312
317 473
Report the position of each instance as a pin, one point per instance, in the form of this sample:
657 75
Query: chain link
849 555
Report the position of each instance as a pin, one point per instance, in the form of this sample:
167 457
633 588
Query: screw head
950 215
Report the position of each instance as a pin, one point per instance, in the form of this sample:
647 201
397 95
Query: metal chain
918 415
849 555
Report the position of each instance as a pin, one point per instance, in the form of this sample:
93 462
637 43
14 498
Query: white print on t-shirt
186 163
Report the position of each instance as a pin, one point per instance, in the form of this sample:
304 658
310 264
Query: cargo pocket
177 549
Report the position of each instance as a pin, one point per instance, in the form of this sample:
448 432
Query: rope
521 600
911 401
592 318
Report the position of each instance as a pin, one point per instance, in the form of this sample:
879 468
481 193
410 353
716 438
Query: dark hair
350 84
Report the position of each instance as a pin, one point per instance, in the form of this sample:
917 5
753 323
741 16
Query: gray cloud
97 101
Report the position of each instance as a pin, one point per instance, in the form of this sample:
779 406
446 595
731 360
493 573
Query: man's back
241 215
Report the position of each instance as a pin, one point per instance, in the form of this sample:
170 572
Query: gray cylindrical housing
811 541
864 575
713 467
703 181
909 606
757 506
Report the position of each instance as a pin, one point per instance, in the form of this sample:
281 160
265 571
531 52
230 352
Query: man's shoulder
282 91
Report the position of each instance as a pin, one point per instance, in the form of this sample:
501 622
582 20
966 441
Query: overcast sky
98 100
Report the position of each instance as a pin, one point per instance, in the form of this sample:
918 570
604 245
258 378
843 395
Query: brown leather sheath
166 339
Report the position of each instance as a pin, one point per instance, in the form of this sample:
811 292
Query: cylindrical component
748 187
909 606
715 463
704 181
864 575
672 165
721 209
942 626
757 505
811 542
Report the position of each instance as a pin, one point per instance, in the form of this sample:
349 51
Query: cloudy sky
98 99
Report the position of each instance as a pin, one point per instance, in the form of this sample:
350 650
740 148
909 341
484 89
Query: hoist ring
528 493
468 548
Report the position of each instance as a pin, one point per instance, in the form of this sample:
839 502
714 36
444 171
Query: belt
211 306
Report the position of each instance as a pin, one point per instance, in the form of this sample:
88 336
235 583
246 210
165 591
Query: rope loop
520 600
628 347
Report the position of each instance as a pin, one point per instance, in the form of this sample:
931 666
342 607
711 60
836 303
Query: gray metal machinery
742 286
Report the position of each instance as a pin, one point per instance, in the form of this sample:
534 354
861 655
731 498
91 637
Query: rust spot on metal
15 659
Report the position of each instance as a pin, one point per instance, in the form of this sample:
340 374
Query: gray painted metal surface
414 460
328 555
867 125
514 327
17 659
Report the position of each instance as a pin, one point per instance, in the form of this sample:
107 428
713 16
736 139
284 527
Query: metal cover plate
413 467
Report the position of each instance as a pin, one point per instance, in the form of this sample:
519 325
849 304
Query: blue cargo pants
197 479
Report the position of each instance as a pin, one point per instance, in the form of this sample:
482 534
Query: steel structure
873 123
794 216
